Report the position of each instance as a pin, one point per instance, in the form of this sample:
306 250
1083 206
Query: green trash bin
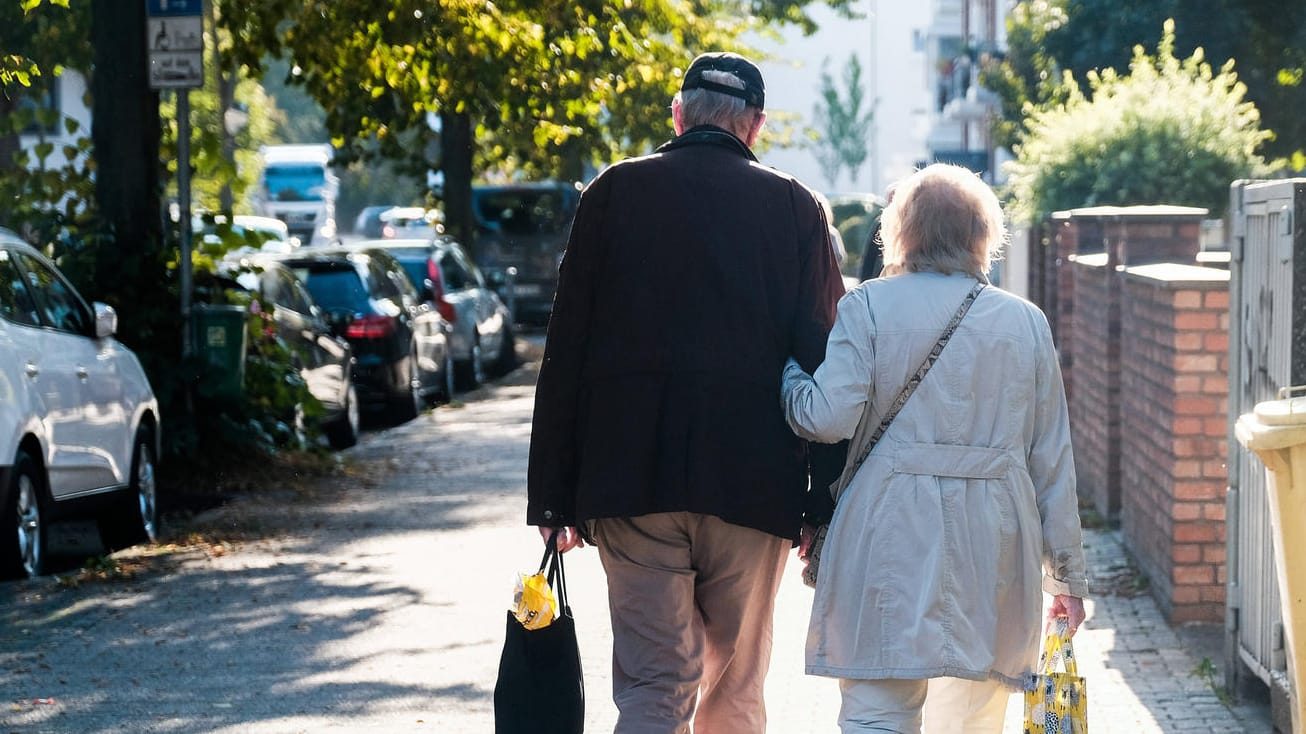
220 341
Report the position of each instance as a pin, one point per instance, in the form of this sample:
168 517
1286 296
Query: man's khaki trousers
692 600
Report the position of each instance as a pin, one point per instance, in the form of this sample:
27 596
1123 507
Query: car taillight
437 290
370 327
388 232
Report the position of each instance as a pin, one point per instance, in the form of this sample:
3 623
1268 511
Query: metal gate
1266 324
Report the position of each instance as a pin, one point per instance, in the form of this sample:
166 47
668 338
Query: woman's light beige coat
965 511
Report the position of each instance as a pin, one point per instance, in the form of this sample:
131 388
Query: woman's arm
1052 469
827 405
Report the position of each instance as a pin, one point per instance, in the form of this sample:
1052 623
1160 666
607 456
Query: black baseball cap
753 93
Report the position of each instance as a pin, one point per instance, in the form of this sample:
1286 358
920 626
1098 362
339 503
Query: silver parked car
79 424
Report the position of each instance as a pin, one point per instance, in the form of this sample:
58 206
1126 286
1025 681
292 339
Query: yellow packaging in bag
534 603
1056 703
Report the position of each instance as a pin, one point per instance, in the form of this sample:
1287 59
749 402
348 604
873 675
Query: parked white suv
79 425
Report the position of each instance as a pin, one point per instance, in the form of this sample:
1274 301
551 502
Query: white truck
297 186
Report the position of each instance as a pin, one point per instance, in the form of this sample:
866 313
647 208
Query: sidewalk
1141 679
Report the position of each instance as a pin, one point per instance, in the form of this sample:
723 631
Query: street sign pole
175 33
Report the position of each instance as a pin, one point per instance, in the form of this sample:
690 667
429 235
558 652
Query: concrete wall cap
1175 274
1091 259
1154 210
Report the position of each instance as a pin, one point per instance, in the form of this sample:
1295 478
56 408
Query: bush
1169 132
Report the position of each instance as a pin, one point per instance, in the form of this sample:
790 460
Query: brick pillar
1174 380
1107 239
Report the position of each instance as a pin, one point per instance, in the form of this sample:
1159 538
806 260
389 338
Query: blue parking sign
166 8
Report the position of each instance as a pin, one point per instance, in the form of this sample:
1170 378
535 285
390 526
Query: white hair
706 107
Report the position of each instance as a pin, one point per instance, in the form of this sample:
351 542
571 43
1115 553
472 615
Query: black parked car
481 335
524 226
401 343
326 358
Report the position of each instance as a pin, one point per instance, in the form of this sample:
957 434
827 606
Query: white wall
893 71
72 93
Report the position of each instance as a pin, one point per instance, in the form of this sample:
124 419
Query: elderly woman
930 588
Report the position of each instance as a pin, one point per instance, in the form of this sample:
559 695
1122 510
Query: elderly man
690 276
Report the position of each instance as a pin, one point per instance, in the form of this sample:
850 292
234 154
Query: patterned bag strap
1057 648
855 460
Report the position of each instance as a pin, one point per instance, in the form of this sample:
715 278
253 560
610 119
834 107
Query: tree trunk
130 263
226 84
573 160
226 100
456 158
126 137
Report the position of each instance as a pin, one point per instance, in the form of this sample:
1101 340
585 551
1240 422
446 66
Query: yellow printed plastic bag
533 601
1056 703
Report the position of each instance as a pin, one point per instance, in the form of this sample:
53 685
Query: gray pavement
377 605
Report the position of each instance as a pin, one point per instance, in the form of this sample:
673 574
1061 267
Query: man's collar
709 135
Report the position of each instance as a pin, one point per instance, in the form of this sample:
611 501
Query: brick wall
1174 389
1143 337
1092 339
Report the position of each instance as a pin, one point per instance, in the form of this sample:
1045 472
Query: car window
456 276
297 296
404 282
381 276
60 305
522 212
416 270
337 288
281 287
273 290
16 303
473 274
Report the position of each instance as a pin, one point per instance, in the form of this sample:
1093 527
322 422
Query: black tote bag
541 688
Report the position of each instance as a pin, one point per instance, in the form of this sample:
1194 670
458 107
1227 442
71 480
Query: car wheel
409 405
446 379
135 518
471 374
344 432
506 360
24 521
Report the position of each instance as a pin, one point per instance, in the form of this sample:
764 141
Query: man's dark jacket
690 276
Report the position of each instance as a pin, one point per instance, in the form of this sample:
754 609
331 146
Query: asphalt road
370 602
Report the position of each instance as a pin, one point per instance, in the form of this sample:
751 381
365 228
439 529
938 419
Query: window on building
42 99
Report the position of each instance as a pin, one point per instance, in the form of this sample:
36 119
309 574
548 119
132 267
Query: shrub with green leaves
1170 132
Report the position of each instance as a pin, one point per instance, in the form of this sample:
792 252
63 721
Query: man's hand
805 536
568 538
1070 607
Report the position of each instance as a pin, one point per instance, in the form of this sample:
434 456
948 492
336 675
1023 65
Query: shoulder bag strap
863 444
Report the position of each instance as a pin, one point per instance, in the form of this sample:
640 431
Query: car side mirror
106 320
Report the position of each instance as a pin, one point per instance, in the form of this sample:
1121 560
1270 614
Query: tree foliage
47 189
843 122
1267 39
1171 131
544 87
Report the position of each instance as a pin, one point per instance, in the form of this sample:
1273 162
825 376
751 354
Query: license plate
527 289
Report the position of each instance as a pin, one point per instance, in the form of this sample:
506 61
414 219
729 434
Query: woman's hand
1070 607
568 538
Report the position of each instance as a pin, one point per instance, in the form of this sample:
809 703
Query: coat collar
709 135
